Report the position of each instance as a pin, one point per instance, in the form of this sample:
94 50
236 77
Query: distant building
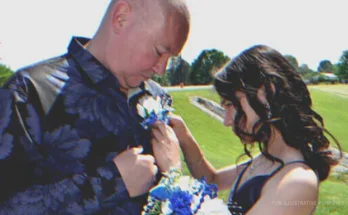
329 76
323 77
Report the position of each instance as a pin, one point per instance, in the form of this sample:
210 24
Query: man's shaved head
137 37
155 10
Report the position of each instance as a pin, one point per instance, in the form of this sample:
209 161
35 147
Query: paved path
196 87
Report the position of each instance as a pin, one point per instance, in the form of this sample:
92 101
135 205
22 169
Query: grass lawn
333 109
222 148
338 89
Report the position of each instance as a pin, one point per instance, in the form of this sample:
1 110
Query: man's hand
138 171
165 146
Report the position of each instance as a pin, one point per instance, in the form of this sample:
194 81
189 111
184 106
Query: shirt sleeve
44 171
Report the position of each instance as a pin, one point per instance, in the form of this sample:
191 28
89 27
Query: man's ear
121 15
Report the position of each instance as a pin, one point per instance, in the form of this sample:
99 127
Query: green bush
5 73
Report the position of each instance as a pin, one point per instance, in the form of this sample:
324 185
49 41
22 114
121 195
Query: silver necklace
254 166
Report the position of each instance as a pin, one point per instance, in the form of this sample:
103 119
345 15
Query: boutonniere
153 109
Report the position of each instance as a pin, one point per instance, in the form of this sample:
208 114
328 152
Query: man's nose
161 65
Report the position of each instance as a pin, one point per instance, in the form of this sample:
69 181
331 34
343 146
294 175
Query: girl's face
230 114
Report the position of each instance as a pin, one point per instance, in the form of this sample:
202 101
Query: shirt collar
88 63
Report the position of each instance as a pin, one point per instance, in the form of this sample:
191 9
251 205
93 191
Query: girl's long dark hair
289 110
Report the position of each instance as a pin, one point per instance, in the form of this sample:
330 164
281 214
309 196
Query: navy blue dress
62 121
242 198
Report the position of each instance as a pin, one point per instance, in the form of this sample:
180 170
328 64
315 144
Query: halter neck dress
241 199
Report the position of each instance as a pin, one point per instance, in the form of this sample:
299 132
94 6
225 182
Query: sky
310 30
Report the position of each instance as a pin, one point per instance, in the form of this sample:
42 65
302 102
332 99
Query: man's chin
134 84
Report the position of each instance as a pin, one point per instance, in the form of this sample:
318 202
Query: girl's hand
165 147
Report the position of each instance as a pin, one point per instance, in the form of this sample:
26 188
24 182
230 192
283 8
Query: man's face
144 49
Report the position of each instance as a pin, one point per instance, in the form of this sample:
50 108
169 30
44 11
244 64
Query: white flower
149 104
153 109
184 182
165 209
213 207
196 201
141 111
174 185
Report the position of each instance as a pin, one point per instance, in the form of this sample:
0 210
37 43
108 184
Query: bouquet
179 194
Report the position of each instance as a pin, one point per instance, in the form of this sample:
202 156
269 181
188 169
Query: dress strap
298 161
284 164
236 183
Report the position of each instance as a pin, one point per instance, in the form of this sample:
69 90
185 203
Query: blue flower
92 105
150 120
91 205
209 189
164 116
175 194
153 109
166 100
160 192
65 149
43 199
105 173
180 202
58 152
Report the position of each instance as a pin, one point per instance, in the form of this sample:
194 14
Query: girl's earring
268 109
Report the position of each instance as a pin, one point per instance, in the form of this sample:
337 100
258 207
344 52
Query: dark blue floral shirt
62 121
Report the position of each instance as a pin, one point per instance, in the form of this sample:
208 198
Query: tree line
200 72
339 69
208 62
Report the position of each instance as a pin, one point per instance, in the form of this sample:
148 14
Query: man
70 138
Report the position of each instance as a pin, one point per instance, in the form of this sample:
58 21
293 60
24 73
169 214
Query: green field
222 148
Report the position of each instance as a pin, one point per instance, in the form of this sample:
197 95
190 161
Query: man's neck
94 47
125 90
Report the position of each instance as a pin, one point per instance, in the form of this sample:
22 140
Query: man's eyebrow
163 48
169 50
